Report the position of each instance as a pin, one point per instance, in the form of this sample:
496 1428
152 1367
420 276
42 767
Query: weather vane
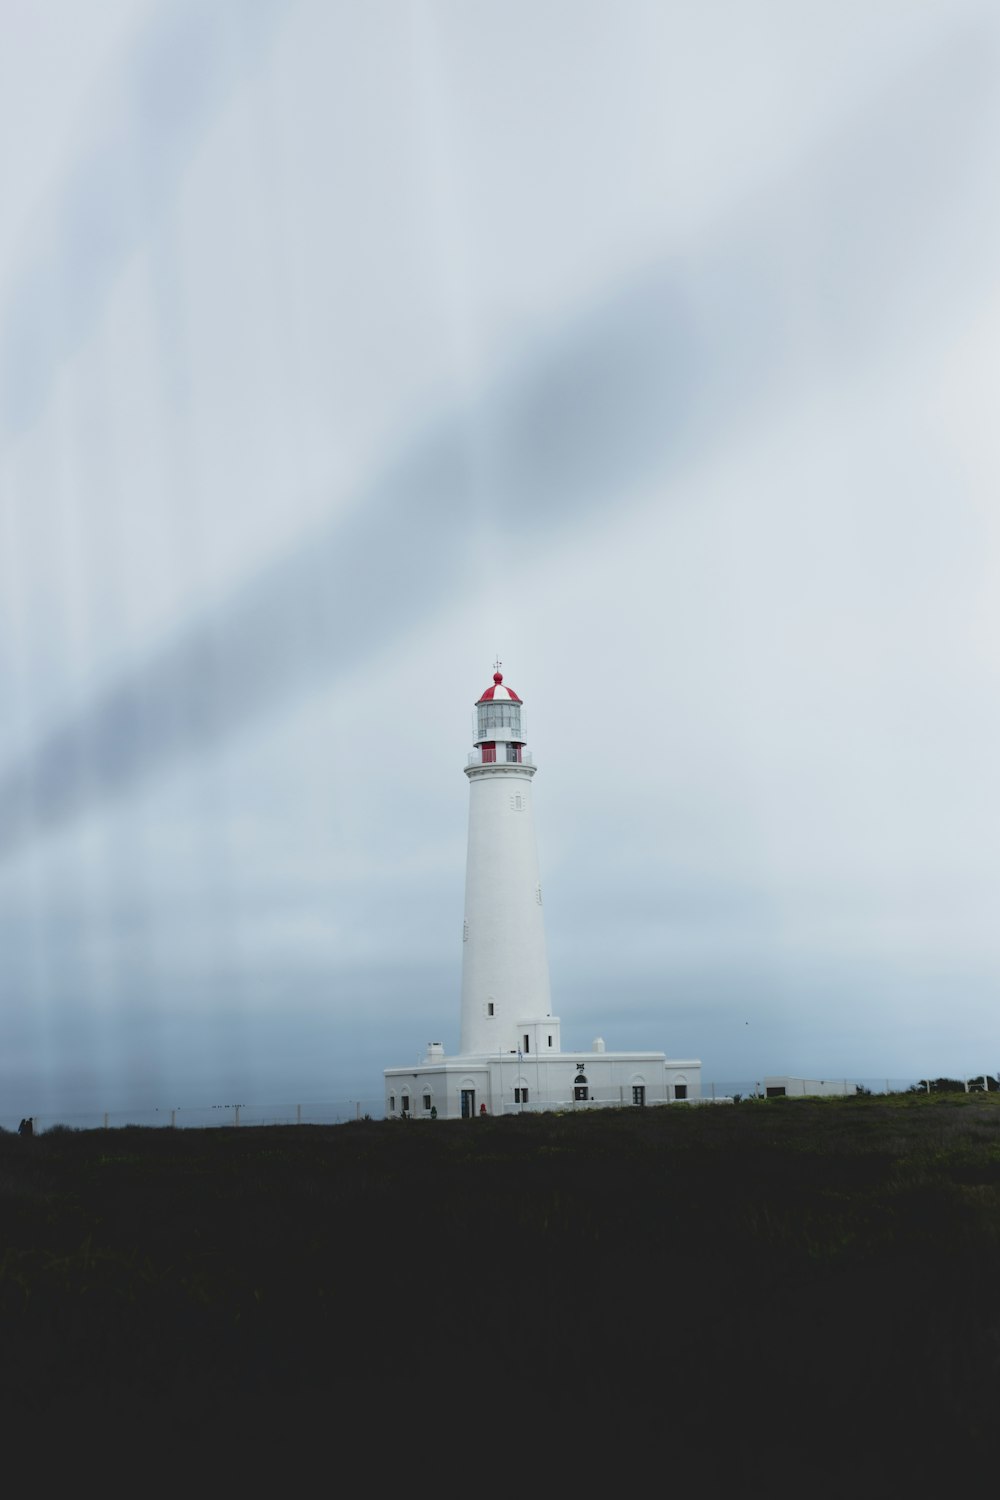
497 664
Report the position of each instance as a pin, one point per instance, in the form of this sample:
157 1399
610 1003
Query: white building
511 1058
797 1088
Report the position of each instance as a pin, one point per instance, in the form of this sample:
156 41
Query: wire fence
201 1117
340 1111
784 1086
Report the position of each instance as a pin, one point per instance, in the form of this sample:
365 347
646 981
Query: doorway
468 1104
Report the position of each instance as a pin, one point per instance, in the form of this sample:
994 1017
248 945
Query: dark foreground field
785 1293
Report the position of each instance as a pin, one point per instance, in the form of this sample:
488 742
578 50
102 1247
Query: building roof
498 691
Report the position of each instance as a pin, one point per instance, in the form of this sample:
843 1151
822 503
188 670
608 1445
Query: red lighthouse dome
498 692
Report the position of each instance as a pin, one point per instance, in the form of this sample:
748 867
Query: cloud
667 366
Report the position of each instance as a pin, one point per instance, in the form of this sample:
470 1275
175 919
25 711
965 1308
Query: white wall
550 1081
504 962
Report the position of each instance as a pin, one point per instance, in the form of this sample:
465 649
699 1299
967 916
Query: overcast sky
652 346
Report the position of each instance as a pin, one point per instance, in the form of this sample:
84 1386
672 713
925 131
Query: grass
792 1287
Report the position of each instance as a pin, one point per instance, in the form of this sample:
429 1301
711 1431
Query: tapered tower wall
506 999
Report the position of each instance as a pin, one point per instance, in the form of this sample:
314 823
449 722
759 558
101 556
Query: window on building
527 1043
680 1090
520 1096
550 1041
580 1089
405 1104
489 1008
392 1104
776 1092
427 1102
638 1093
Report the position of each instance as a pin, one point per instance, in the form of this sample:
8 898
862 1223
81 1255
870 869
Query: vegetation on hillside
810 1281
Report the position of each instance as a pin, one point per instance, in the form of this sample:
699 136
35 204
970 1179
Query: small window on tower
392 1104
489 1008
427 1102
538 894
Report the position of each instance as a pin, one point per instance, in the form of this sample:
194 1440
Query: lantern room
499 732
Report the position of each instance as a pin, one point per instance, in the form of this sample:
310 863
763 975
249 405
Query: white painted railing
474 758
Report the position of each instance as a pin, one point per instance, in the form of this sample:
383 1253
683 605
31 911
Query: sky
653 348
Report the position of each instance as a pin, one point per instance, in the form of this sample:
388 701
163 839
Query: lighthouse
506 1001
510 1057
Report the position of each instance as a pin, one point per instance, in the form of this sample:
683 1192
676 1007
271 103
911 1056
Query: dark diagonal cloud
666 370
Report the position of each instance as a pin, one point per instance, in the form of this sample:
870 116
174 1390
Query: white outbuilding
510 1056
799 1088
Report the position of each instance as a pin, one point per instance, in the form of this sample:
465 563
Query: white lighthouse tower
506 1002
510 1057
